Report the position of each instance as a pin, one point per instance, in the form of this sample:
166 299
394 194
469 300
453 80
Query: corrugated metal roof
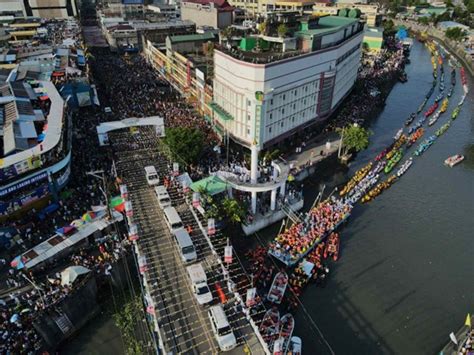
206 36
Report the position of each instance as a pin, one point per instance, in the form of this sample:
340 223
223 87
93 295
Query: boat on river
358 176
441 87
455 113
444 105
410 119
422 105
463 76
393 161
278 288
453 77
450 92
454 160
462 99
405 166
332 247
398 134
396 146
287 325
442 129
379 167
433 119
415 136
439 97
377 190
296 346
270 326
425 145
431 110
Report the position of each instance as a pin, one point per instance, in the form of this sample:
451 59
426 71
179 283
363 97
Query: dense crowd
294 242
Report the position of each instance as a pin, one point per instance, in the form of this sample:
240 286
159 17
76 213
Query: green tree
449 3
389 28
185 144
455 33
423 20
282 30
234 211
262 27
354 138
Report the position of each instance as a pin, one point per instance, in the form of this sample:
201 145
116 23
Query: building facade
263 103
211 13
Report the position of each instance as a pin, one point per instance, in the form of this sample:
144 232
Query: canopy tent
213 185
70 274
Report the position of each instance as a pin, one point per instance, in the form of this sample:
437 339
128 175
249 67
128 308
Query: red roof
219 4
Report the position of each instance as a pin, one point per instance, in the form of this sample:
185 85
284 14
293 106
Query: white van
221 328
185 245
172 219
151 175
198 279
163 197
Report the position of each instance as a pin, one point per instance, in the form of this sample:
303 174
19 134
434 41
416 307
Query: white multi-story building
262 97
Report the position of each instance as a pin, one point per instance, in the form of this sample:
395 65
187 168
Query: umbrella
14 318
89 216
25 310
17 263
117 203
70 274
41 137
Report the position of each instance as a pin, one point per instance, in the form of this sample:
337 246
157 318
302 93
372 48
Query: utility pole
99 174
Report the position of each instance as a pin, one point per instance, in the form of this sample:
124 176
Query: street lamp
103 189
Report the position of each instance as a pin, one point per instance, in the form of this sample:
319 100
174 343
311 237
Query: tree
226 32
233 210
185 144
423 20
455 33
354 138
449 3
389 28
282 30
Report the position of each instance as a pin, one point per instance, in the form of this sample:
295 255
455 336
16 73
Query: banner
128 209
211 226
15 204
250 299
142 265
196 199
23 183
123 191
133 232
228 254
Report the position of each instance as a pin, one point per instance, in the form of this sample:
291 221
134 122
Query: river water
405 277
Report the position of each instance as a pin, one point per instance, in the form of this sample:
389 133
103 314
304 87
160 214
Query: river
405 277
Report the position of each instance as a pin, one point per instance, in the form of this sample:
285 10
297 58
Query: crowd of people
467 346
296 241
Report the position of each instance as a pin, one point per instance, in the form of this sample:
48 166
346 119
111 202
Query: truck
198 279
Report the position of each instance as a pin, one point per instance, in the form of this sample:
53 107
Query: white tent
70 274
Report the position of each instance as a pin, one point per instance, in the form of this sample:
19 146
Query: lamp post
99 174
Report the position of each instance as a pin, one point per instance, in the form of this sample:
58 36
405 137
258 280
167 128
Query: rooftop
329 24
206 36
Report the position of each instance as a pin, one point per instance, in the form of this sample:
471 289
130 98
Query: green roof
223 114
329 24
206 36
433 10
212 185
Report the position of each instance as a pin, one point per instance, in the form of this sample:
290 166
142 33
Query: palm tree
233 210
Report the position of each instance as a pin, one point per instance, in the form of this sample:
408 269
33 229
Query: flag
468 320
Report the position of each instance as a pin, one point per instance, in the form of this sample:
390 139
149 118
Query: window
293 119
248 117
269 129
281 124
294 106
271 115
248 131
271 101
248 103
304 101
282 111
284 97
305 89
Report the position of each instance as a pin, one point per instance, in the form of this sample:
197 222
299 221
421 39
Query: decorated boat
379 167
405 166
439 97
270 326
415 136
332 247
422 105
444 105
287 325
377 190
442 129
462 99
453 77
415 127
410 119
450 92
433 119
454 160
396 146
425 145
393 161
455 113
277 290
358 176
296 346
398 134
441 87
432 109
